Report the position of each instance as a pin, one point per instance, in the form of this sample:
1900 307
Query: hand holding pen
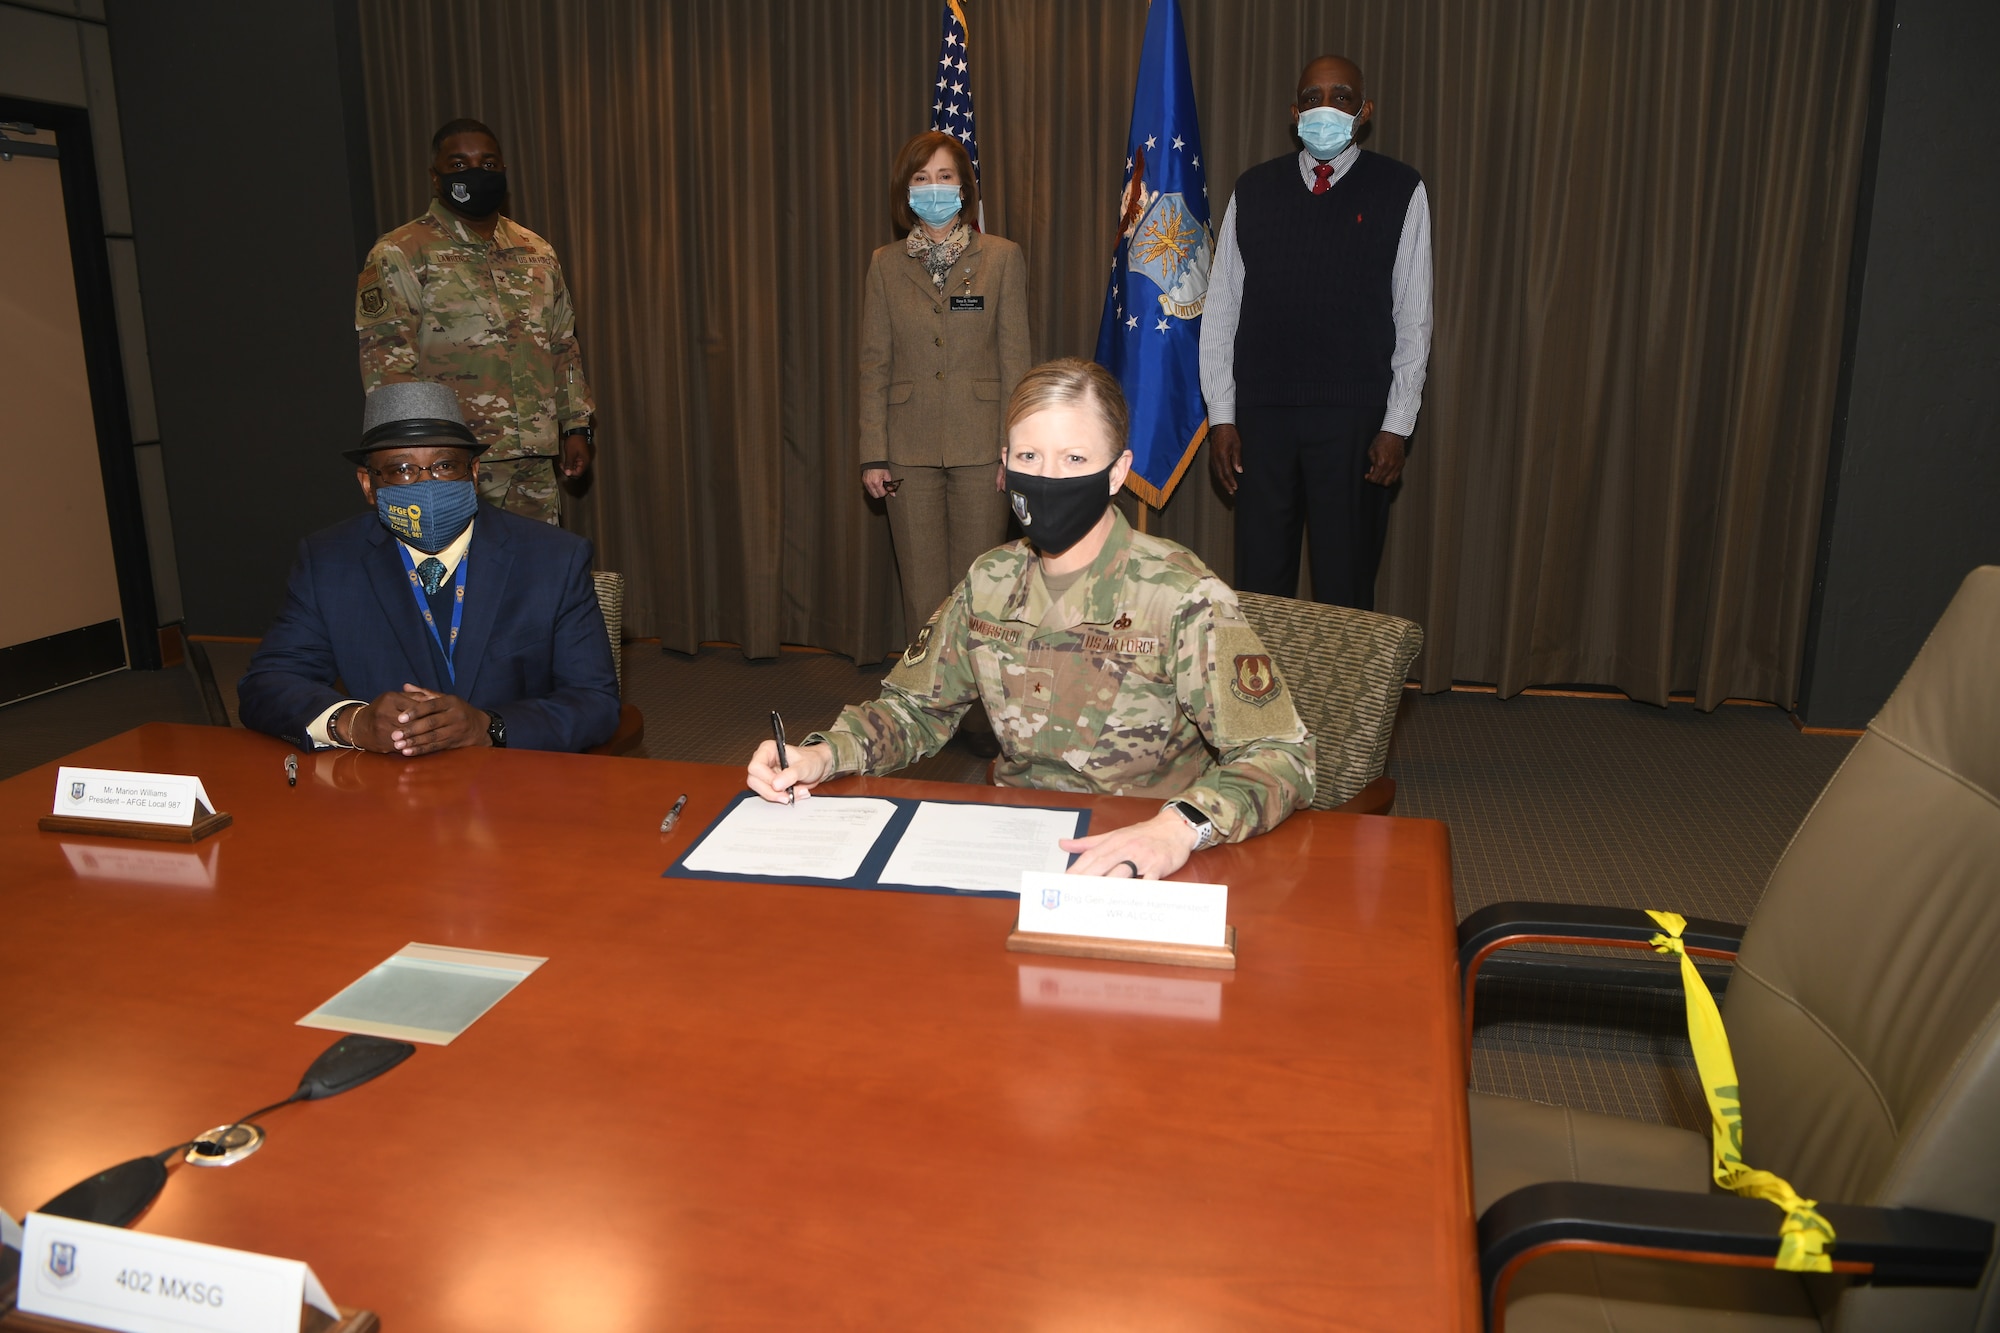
784 761
782 773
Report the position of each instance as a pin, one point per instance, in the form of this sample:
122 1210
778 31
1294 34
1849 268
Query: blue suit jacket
531 644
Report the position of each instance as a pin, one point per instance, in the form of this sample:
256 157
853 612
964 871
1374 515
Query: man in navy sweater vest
1314 344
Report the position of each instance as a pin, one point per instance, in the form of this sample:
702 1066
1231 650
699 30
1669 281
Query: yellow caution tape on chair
1805 1234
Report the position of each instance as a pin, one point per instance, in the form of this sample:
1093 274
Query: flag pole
1144 509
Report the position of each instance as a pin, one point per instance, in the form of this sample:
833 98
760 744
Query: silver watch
1205 832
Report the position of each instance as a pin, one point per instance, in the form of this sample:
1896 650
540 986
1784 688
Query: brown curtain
1641 218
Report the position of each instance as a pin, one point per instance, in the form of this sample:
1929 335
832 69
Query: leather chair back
1346 669
1865 1007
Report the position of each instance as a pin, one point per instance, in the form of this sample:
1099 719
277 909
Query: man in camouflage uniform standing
1109 661
470 298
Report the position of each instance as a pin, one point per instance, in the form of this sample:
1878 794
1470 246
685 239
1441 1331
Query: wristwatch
496 730
1205 832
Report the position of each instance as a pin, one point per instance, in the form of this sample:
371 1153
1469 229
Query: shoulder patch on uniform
1249 690
1255 680
370 302
917 669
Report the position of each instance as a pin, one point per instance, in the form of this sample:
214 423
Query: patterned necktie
1322 174
431 571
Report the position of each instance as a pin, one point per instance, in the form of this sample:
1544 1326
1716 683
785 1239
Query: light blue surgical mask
1325 131
428 514
935 204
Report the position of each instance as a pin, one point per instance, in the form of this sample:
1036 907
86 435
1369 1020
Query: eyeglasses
447 469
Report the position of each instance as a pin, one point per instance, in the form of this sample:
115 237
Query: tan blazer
937 367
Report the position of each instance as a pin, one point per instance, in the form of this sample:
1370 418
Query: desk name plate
165 807
133 1282
1129 920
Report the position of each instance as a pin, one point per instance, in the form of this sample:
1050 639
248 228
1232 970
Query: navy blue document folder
872 866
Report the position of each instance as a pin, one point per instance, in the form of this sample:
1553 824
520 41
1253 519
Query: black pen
778 735
673 815
291 770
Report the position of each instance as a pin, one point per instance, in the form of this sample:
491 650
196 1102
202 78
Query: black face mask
474 192
1056 512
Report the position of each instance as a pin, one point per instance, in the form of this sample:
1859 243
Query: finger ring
1135 868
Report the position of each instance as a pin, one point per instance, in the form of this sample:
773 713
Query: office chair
1346 669
630 737
1864 1013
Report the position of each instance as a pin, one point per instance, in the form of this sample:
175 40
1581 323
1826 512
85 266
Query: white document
10 1231
1119 993
145 865
108 1277
424 992
820 837
1161 911
978 847
142 798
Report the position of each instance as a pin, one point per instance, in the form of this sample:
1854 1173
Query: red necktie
1322 173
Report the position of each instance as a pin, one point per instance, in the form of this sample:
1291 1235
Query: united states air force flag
1150 333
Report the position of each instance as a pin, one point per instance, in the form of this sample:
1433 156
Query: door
60 616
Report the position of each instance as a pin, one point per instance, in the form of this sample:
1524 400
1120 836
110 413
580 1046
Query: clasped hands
1150 850
413 721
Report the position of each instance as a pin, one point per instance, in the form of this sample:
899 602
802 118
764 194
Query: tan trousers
941 519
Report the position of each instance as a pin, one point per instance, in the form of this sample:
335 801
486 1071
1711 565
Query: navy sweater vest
441 603
1318 318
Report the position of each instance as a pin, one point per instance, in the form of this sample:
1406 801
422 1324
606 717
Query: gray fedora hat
412 414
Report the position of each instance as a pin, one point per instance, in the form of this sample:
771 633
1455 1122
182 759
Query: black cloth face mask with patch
474 192
1056 512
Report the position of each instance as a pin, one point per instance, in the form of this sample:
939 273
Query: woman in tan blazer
944 340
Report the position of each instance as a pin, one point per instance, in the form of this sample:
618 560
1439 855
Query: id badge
968 303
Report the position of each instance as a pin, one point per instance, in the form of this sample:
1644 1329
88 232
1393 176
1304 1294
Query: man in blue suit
434 622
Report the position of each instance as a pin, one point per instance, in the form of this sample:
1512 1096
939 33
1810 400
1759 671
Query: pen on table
291 770
673 815
778 735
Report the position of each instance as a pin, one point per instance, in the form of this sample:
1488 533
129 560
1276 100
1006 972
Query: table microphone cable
119 1195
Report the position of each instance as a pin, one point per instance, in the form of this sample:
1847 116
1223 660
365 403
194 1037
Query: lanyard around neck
424 606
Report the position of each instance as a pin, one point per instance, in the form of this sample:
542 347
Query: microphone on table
119 1195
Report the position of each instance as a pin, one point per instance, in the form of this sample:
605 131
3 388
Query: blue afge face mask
427 514
935 204
1325 131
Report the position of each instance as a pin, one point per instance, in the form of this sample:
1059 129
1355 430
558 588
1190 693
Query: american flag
951 92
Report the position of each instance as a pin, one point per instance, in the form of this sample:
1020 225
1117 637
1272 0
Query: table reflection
178 867
1119 993
447 805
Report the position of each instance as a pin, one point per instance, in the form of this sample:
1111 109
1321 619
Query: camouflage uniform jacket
436 301
1144 679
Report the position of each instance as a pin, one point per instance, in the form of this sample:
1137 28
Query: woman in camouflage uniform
1109 660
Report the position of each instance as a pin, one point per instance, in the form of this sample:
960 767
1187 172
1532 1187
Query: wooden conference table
739 1105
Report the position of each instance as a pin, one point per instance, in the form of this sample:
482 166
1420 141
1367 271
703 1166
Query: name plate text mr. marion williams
138 798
